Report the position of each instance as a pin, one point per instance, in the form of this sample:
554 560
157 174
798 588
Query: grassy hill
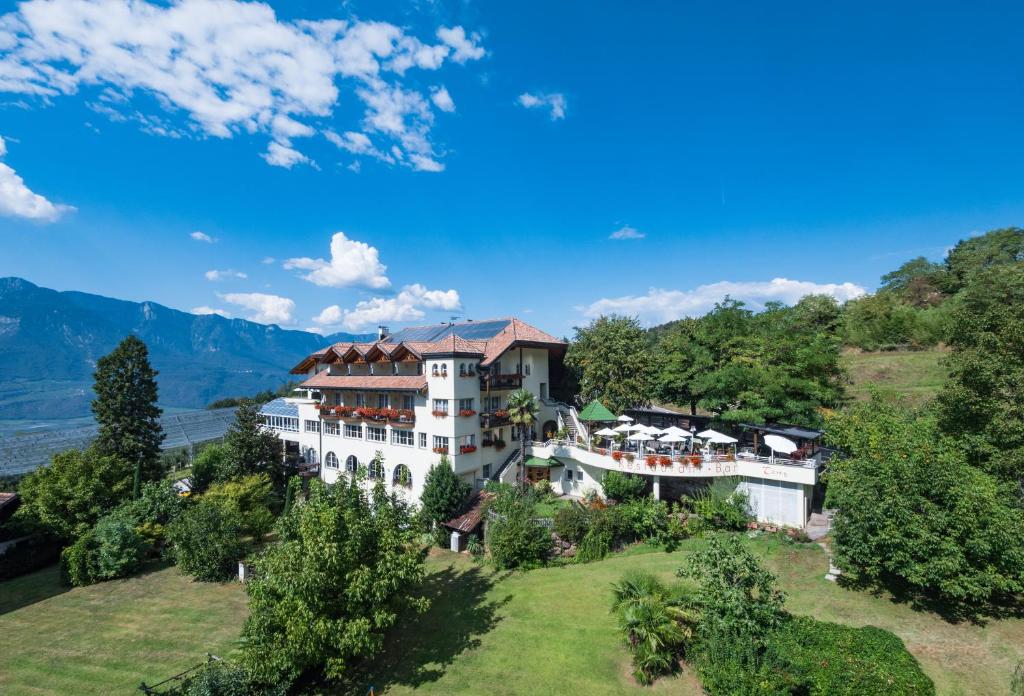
916 374
545 631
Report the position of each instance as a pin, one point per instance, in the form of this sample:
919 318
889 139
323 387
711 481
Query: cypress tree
125 408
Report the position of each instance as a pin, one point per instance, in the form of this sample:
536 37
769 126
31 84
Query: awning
542 463
596 411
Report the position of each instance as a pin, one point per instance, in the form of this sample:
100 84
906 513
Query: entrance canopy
596 411
542 463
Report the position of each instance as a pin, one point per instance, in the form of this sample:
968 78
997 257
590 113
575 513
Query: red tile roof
371 382
518 332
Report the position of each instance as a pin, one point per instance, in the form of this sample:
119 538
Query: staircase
496 476
568 418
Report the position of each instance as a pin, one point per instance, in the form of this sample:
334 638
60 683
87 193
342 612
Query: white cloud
228 66
265 309
627 232
352 264
280 155
267 260
18 200
215 276
408 305
442 100
202 237
660 305
210 310
466 47
555 102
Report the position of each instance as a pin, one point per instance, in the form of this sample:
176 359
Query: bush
78 561
206 541
112 549
822 658
645 518
595 545
543 488
156 507
514 537
207 467
251 497
444 496
572 522
226 679
623 487
722 506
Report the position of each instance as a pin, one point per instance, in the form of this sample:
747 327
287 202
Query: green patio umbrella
595 411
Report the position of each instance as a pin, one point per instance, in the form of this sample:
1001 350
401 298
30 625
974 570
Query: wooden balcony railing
498 381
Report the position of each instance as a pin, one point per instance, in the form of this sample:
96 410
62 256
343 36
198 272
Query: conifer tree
126 408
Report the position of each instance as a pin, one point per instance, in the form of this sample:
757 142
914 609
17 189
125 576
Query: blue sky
765 150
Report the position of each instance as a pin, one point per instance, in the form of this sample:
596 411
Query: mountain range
50 341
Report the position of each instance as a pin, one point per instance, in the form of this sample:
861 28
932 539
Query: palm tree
522 411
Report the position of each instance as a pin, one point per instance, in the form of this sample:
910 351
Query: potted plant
617 455
389 413
440 450
466 412
629 457
601 450
466 449
501 413
406 415
651 460
695 460
440 414
664 461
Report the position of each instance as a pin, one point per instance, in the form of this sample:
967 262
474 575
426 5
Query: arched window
444 370
331 460
351 464
434 370
376 470
402 476
462 369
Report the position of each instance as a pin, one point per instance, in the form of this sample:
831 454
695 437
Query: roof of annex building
486 340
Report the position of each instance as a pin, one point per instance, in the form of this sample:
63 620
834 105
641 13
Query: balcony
494 419
499 381
394 416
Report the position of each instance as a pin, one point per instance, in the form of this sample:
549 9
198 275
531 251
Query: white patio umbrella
638 438
624 428
606 432
777 443
624 419
654 430
674 430
672 439
717 437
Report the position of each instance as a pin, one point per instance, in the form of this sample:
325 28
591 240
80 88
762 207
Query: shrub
595 545
120 549
623 487
722 506
645 518
78 561
207 467
514 537
543 488
444 495
206 541
226 679
823 658
157 506
572 522
251 497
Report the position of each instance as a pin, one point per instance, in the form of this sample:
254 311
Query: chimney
382 332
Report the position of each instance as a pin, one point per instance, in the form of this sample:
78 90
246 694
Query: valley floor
548 630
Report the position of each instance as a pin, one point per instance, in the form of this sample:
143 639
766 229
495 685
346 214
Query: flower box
617 455
499 444
651 460
388 413
501 413
601 451
440 450
629 457
694 460
466 449
405 415
467 412
487 443
664 461
368 413
439 414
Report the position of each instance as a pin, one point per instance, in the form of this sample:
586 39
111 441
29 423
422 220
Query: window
312 426
543 391
408 402
376 434
311 456
331 428
383 401
401 437
493 403
394 368
375 470
462 369
360 399
441 406
336 398
441 444
579 474
354 431
526 369
434 371
444 369
351 464
402 476
465 404
283 423
331 461
423 440
486 471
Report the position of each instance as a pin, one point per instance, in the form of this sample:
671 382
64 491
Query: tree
514 537
251 497
208 466
126 408
69 496
684 355
613 363
206 541
326 594
522 412
444 495
981 402
253 449
916 517
918 281
974 255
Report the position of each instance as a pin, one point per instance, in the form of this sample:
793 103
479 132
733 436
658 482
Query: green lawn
545 631
916 374
106 638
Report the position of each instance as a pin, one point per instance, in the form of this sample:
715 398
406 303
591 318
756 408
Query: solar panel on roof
280 407
471 331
